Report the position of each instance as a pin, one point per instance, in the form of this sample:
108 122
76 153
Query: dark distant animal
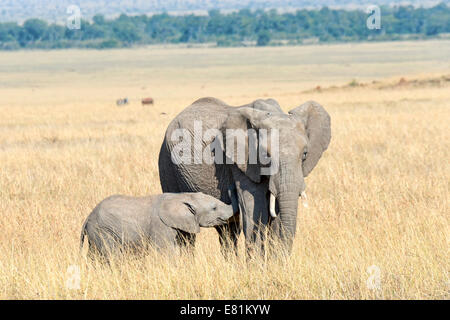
121 102
147 101
123 222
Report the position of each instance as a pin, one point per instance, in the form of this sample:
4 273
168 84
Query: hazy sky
56 10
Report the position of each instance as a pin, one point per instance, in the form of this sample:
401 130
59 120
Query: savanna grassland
378 197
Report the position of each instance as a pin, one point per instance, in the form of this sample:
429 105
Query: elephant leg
229 233
186 241
274 227
228 236
254 211
99 250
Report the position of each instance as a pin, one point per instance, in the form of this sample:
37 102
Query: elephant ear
179 215
318 128
240 121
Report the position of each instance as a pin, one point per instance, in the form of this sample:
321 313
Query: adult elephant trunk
288 204
285 187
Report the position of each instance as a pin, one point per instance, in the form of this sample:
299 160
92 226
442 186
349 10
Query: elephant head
190 211
303 135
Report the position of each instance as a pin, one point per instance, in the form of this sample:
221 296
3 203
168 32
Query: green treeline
234 29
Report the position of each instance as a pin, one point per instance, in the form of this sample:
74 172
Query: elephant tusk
304 198
272 206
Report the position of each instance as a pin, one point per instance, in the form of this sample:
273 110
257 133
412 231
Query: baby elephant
121 222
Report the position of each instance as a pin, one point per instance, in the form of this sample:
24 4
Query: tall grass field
377 224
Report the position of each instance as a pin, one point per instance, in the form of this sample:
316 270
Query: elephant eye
305 153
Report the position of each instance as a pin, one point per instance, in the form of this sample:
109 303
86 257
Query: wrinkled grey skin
123 222
304 134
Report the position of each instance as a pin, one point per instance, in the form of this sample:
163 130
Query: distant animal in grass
121 223
121 102
147 101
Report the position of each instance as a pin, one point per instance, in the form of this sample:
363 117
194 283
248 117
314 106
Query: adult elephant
303 135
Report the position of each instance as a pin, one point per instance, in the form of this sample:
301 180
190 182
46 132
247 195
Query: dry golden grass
379 195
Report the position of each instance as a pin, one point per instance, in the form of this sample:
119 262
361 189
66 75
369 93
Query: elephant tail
83 234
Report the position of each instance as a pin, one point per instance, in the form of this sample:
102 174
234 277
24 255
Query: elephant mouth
225 219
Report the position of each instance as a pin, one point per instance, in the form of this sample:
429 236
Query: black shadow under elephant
262 199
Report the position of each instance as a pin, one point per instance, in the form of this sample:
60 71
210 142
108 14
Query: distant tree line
235 29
